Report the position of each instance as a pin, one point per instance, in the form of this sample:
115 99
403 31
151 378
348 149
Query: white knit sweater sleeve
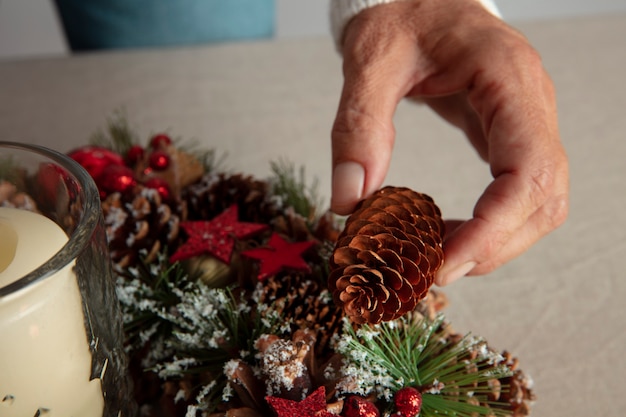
341 11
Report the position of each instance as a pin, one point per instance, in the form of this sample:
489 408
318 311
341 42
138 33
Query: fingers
528 197
504 225
483 77
377 74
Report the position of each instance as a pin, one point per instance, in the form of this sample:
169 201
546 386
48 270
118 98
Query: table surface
559 307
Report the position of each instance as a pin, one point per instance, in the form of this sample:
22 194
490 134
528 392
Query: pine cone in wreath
287 369
214 193
385 259
296 296
139 224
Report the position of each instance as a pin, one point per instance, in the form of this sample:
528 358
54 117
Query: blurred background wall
30 28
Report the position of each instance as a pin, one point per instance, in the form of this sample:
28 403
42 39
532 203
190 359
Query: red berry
116 178
160 185
160 141
408 401
134 154
159 160
355 406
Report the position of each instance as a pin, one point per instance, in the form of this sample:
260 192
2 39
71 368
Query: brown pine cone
296 296
139 224
214 193
385 259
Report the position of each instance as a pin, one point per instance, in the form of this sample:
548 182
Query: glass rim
85 227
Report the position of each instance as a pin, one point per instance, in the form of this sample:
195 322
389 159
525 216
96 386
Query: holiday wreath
240 298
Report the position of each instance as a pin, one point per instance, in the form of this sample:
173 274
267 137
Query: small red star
279 254
312 406
216 237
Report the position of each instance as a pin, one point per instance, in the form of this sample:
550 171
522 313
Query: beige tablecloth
559 307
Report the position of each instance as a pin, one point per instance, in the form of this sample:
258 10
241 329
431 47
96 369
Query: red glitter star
216 237
279 254
312 406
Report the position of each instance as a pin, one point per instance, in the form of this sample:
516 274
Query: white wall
31 28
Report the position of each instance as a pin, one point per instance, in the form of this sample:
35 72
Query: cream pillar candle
45 361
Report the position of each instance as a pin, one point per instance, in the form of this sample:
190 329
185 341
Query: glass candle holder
61 331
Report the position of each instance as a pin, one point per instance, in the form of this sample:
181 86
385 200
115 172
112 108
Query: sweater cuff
341 11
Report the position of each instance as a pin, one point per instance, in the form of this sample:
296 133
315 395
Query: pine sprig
10 171
144 292
212 327
118 135
293 188
453 374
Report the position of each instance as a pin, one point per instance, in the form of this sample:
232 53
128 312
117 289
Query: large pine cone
385 259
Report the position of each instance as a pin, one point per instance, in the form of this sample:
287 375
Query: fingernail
347 187
447 276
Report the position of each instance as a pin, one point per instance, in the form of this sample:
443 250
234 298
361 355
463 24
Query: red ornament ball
116 178
51 179
408 401
96 159
356 406
134 154
160 141
159 160
161 186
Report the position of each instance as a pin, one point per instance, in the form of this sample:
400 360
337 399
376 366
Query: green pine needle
293 188
452 375
10 171
144 292
118 136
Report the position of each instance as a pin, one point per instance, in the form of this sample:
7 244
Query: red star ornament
215 237
312 406
279 254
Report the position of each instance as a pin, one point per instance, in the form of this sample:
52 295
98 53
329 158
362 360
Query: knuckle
557 211
541 184
351 122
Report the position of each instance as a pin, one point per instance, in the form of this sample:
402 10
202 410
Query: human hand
480 75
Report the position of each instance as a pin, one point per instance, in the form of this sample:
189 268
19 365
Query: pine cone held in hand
385 259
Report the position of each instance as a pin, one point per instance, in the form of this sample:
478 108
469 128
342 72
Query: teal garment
104 24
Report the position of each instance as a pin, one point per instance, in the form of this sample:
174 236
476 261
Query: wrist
341 11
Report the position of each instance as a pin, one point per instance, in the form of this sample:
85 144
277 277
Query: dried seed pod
385 259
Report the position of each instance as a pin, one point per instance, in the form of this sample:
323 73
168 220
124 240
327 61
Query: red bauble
96 159
51 179
408 402
116 178
161 186
160 141
356 406
159 160
134 154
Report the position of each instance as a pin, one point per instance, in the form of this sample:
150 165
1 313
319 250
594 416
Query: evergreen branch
294 190
118 136
8 169
452 374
